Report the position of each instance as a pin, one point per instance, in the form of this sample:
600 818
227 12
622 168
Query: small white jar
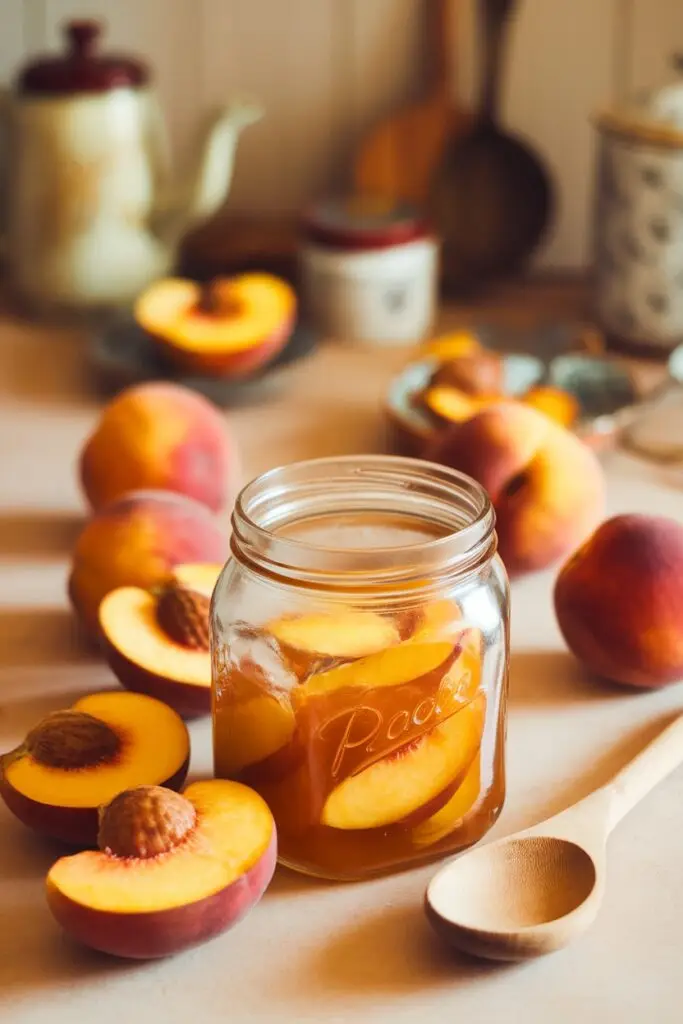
369 275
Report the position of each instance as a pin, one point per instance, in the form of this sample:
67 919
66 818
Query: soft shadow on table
51 371
392 951
35 955
290 883
41 636
604 767
556 677
42 534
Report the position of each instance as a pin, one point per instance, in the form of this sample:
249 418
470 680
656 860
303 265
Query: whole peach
163 436
136 541
619 600
546 486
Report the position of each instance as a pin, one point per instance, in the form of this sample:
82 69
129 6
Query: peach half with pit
231 327
172 870
414 779
138 541
157 641
74 761
162 436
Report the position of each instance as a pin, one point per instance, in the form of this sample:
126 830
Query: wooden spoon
535 891
491 198
398 158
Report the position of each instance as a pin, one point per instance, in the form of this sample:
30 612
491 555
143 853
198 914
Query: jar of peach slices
360 658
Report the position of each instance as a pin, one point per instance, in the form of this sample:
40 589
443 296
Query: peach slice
167 658
393 666
172 871
437 620
452 345
250 734
451 814
232 326
556 403
346 634
453 405
463 679
74 761
392 789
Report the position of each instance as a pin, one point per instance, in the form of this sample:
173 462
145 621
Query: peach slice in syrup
392 789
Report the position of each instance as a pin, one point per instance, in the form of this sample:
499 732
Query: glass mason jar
360 661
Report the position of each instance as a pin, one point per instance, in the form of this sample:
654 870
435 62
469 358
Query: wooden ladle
535 891
491 198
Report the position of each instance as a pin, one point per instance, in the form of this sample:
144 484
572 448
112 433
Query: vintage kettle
89 212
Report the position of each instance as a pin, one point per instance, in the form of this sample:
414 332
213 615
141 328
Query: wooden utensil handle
440 44
493 18
654 763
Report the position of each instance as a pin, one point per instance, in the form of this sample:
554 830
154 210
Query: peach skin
162 436
619 601
546 486
137 541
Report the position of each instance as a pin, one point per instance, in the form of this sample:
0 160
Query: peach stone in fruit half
158 643
75 760
410 778
232 326
172 871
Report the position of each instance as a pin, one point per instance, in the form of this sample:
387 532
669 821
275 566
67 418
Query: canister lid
363 222
654 115
80 68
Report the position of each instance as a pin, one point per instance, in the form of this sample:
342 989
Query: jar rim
427 491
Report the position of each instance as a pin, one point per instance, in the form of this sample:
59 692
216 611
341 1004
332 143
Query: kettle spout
208 185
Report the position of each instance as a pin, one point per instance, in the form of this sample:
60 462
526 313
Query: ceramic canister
369 271
638 230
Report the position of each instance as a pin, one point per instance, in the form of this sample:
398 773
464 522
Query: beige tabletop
311 951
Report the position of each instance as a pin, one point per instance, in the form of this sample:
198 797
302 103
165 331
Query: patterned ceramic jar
638 238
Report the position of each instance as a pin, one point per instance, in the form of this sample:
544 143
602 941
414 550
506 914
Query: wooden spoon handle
654 763
493 18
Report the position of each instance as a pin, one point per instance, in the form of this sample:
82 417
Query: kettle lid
81 68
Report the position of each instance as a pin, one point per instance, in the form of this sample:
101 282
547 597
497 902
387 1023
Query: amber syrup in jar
360 663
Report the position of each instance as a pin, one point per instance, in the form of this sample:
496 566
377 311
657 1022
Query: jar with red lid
369 270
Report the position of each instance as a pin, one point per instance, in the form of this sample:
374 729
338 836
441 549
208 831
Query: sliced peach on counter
158 643
255 734
453 405
73 761
172 871
450 815
230 326
309 641
398 785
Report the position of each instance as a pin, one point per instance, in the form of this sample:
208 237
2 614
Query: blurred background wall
325 69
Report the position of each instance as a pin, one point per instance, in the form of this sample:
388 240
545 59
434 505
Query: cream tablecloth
311 951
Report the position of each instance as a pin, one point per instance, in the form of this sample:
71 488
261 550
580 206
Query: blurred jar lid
80 68
363 222
653 116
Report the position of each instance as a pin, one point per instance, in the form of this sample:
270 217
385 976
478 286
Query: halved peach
172 871
74 761
449 816
232 326
393 788
318 639
199 576
148 655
